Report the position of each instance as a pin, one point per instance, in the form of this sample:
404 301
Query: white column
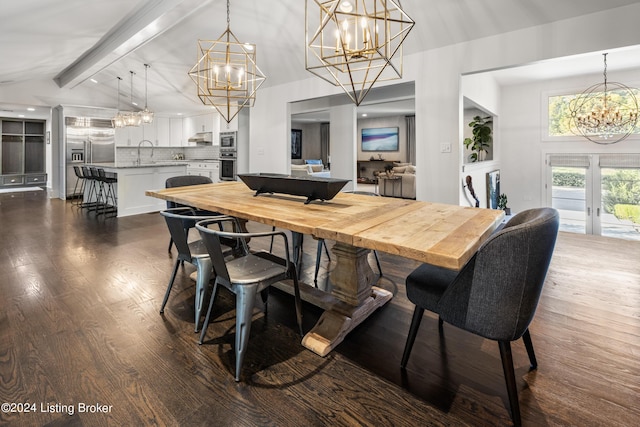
343 140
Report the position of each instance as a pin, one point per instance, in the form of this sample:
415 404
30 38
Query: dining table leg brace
356 298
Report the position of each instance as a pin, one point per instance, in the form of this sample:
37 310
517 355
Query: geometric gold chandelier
226 74
355 43
605 113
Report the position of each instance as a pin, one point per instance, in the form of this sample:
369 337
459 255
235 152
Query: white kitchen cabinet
149 132
128 136
210 169
176 131
163 131
198 124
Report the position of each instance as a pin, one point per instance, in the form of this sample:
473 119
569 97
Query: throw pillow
410 169
399 169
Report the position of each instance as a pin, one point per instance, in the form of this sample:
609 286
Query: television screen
380 139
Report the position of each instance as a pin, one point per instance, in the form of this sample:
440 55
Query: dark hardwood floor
79 325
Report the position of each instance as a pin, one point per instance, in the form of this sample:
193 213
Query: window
559 113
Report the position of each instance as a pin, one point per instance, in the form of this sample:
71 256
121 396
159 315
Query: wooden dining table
439 234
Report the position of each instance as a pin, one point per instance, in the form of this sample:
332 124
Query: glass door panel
569 197
619 212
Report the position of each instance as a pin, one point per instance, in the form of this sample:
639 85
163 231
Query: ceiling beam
142 25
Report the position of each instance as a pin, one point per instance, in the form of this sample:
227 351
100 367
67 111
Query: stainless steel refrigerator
87 141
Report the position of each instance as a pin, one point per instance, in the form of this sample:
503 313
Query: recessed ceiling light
94 80
20 115
31 109
135 103
179 114
364 114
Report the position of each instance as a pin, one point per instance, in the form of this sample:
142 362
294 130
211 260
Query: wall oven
228 141
228 161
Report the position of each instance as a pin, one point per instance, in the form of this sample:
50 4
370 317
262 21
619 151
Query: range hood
202 138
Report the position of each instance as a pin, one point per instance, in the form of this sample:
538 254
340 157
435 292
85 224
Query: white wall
525 144
395 121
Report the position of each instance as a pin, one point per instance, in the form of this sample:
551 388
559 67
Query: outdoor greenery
630 212
482 137
622 187
568 179
560 112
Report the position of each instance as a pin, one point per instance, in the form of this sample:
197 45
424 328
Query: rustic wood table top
439 234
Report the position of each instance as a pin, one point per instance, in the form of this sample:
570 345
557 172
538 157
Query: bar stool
91 181
78 188
107 190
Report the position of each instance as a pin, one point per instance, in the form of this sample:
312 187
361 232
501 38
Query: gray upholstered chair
496 293
245 276
183 181
194 253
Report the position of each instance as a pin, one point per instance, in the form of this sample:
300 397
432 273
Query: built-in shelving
23 152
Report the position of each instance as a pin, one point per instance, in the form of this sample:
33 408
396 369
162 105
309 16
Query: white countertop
130 165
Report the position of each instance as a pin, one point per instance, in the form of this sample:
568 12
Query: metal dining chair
194 253
184 181
245 276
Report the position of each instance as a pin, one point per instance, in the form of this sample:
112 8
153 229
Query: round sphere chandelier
605 113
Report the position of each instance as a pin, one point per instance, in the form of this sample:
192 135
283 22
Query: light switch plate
445 147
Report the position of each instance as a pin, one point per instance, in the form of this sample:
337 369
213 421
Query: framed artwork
380 139
493 189
296 143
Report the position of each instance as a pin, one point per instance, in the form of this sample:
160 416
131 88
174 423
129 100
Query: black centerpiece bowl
313 188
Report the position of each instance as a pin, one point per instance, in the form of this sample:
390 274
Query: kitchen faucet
139 144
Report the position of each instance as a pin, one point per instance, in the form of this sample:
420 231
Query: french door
596 193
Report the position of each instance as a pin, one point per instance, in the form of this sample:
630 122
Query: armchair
495 294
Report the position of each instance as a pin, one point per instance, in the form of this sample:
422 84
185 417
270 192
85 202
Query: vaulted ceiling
63 44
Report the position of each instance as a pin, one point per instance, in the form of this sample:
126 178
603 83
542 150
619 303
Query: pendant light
226 73
118 119
131 118
146 116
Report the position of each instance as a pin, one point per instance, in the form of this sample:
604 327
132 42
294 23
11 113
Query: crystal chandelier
226 74
118 119
131 118
146 116
605 113
355 43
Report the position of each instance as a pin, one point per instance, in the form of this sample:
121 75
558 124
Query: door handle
598 212
588 211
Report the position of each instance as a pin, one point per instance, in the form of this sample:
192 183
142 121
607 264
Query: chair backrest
176 218
77 171
184 181
214 244
497 292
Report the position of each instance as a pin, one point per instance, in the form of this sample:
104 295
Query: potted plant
482 138
502 204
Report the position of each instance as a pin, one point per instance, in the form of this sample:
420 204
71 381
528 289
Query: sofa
316 170
407 172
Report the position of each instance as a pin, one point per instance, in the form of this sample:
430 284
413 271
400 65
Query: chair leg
204 268
245 300
413 332
529 346
173 277
170 244
375 254
298 301
318 259
264 294
510 378
208 316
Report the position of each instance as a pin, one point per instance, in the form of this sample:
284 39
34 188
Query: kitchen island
134 179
